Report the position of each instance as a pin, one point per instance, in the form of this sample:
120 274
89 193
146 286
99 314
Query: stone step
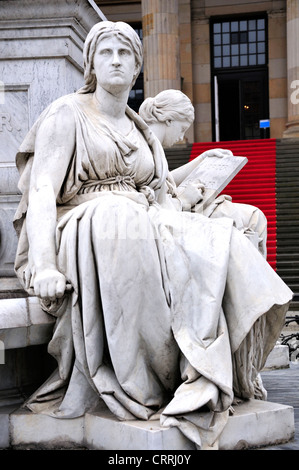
291 281
282 270
10 287
23 323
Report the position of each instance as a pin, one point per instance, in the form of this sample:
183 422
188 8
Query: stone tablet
215 173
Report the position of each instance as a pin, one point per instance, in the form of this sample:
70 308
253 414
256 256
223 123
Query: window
239 43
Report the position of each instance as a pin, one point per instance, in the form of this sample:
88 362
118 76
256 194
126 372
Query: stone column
293 68
161 46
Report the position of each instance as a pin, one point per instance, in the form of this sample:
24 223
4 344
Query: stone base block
5 412
254 424
258 423
40 431
278 358
131 435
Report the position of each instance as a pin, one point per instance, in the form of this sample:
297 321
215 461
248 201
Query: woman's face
114 65
174 132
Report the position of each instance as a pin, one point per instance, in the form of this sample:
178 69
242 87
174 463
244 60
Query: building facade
237 60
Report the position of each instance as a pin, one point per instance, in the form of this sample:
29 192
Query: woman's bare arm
180 173
54 147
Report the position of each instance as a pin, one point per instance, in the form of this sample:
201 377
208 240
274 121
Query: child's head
169 114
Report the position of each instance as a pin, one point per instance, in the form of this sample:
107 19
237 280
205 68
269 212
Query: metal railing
292 339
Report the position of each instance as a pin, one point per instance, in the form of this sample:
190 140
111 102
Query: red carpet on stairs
255 183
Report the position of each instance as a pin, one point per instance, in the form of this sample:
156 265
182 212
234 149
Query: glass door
242 103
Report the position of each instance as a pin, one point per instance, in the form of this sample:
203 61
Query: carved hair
103 30
168 105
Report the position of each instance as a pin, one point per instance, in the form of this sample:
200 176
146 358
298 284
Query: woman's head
104 30
169 114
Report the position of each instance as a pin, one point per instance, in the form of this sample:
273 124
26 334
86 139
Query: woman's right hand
191 194
49 284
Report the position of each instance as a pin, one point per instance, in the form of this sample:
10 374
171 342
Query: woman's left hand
220 153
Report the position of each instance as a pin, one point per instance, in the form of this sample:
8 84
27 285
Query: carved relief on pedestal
13 120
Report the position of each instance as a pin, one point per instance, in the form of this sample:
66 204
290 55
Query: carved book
215 173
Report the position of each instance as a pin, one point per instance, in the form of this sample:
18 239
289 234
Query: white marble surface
254 424
23 323
44 430
8 236
14 119
258 423
5 411
278 358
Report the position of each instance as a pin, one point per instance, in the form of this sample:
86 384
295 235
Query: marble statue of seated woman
167 312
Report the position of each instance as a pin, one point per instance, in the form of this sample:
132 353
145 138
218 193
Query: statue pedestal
24 326
254 424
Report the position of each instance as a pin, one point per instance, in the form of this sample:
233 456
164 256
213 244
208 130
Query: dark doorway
229 105
242 103
136 96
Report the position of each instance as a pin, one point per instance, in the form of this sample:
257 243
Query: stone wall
278 86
